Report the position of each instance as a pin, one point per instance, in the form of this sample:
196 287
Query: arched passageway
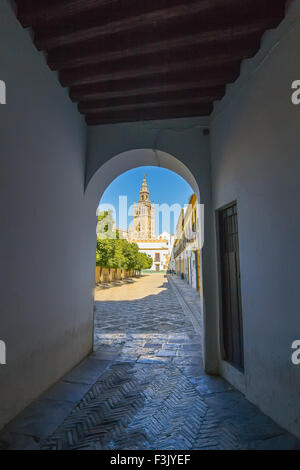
180 145
130 159
144 386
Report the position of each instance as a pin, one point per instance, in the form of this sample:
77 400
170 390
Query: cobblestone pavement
144 386
147 324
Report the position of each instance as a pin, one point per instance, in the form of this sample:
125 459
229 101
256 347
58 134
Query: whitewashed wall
255 144
46 276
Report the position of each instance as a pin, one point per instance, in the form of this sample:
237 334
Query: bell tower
143 215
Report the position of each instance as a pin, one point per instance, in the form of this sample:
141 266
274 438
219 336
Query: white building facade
185 256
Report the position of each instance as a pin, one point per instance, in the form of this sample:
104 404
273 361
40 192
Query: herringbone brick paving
134 406
150 391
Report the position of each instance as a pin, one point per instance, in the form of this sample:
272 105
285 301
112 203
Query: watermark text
296 352
296 94
2 352
2 92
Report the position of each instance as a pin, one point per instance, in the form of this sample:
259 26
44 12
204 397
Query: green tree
104 252
143 261
148 262
119 253
118 258
130 252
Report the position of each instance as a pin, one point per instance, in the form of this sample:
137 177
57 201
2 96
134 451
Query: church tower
143 216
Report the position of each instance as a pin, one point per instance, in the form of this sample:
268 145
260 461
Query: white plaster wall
45 251
163 255
150 245
255 145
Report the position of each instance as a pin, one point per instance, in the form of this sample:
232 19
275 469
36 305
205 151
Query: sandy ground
147 284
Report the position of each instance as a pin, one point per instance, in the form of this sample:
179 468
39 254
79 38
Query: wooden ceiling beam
133 60
135 93
154 14
217 76
142 106
206 94
100 107
93 52
185 58
41 12
146 114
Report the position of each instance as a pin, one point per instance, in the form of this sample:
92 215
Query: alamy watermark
2 92
2 352
296 352
165 218
295 97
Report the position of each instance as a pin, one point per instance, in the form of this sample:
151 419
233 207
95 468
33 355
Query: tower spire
144 191
144 187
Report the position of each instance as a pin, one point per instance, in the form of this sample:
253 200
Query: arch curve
135 158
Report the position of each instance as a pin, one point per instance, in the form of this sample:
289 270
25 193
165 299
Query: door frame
220 291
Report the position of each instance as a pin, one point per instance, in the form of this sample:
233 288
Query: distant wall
46 276
112 274
255 145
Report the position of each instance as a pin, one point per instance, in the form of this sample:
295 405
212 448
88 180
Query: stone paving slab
40 418
12 441
189 299
87 371
67 391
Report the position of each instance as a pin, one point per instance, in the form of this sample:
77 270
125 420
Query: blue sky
165 187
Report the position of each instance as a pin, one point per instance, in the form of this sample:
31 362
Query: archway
130 159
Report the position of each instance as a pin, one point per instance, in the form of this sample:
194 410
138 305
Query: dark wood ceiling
131 60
